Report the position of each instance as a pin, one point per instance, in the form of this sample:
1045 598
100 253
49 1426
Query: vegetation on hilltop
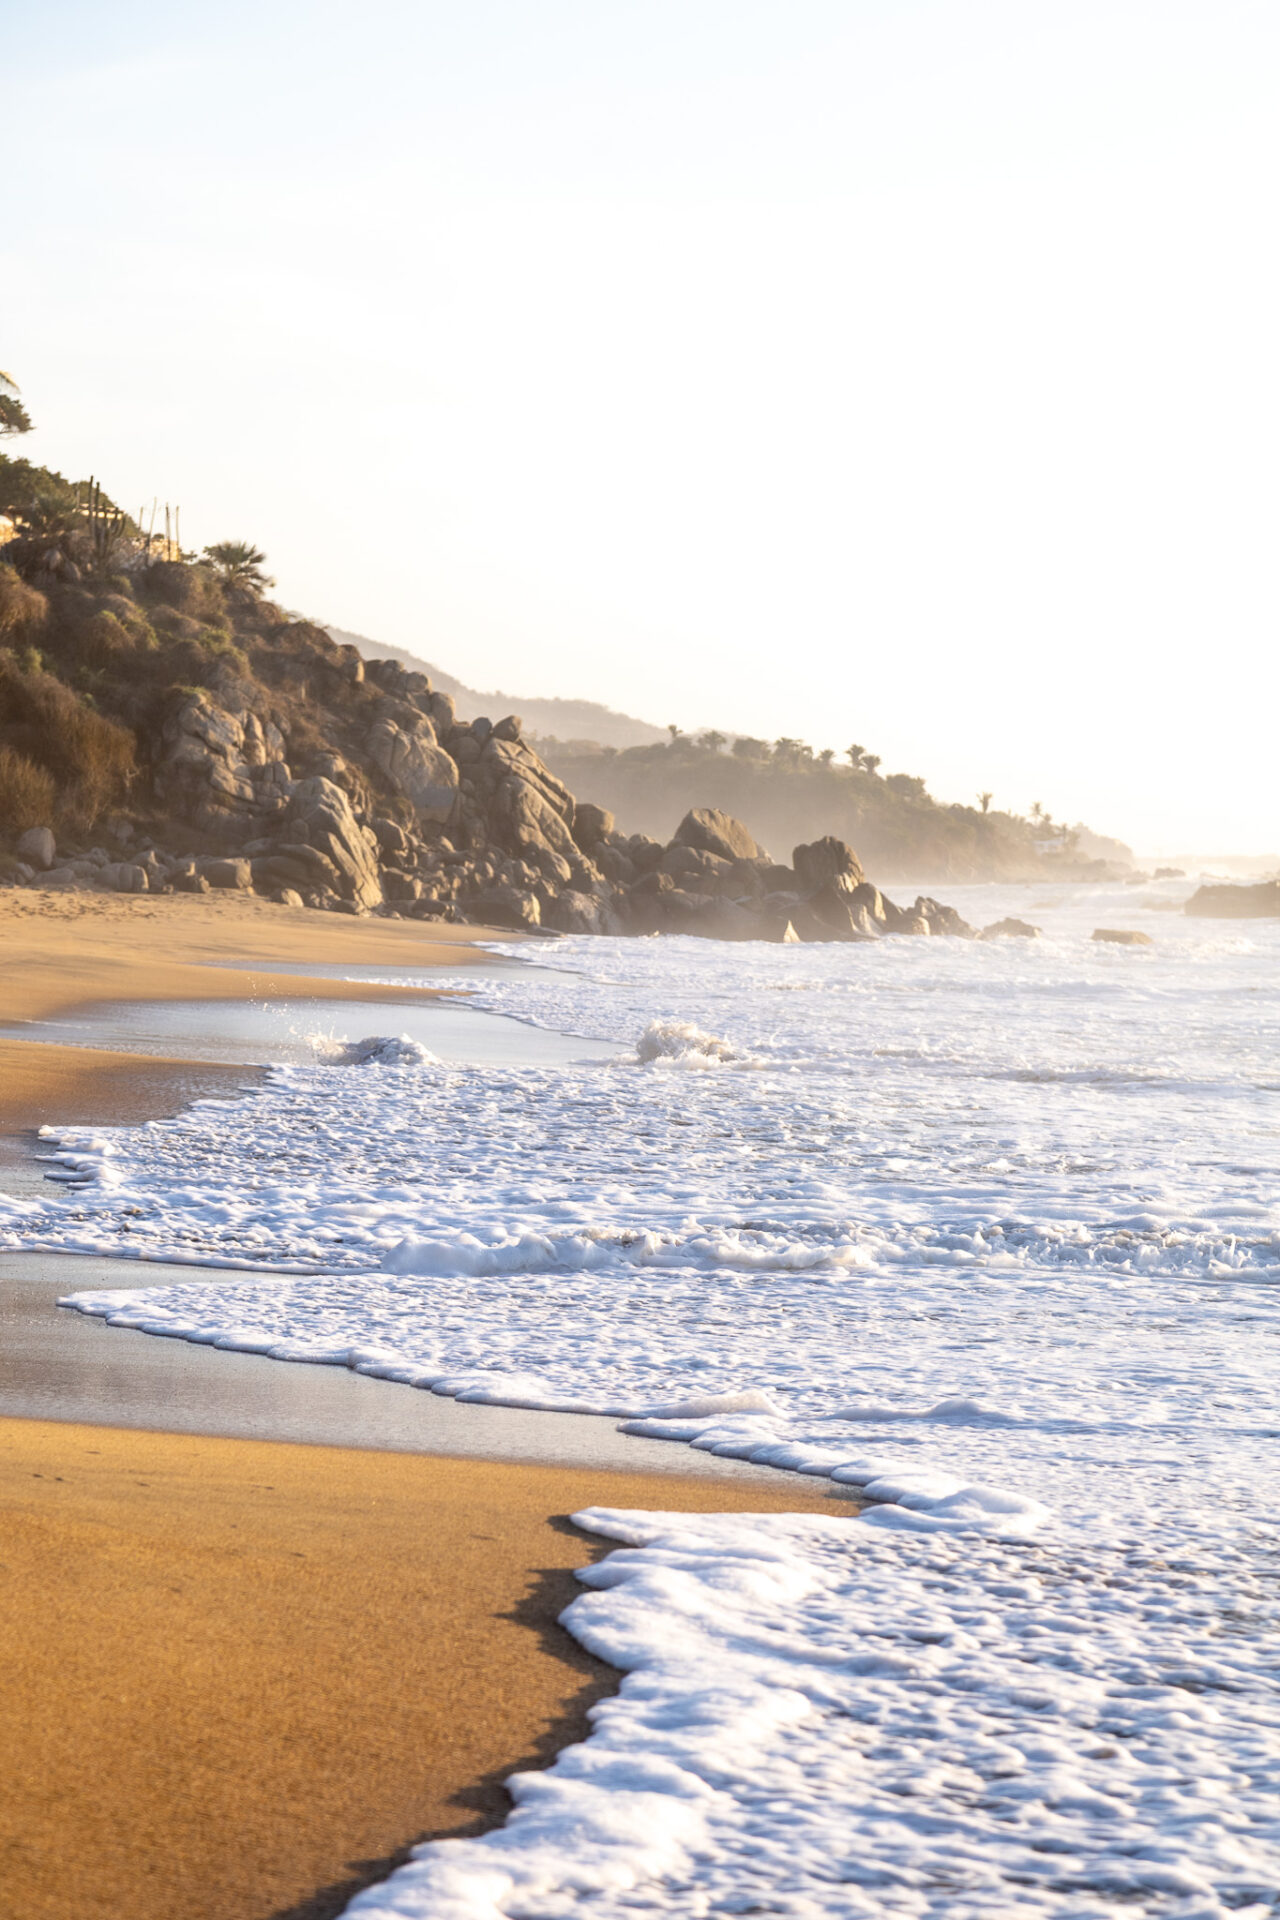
98 636
787 794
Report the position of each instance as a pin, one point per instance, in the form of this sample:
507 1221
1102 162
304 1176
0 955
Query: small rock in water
1222 902
1123 937
1013 929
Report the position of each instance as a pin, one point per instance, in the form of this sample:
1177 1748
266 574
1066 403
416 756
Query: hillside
573 720
165 726
782 791
785 794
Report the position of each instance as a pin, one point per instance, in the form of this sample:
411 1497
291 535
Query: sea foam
986 1238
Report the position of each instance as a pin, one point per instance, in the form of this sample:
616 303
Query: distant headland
164 725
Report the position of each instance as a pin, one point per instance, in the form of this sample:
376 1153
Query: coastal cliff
165 726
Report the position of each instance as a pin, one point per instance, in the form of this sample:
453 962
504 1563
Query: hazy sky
906 373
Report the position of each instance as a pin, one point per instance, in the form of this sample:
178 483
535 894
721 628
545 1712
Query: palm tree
984 801
14 418
240 564
855 756
712 741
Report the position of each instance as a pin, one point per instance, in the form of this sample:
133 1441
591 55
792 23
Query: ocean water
990 1231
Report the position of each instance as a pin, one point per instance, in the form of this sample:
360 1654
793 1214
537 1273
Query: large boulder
644 852
872 905
825 863
235 876
942 919
293 865
505 907
124 877
1221 903
689 866
221 767
574 912
591 825
510 799
320 814
38 848
416 765
708 830
831 911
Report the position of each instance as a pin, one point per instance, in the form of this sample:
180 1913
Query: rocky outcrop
828 862
416 765
688 888
708 830
402 808
1261 902
320 815
508 797
221 769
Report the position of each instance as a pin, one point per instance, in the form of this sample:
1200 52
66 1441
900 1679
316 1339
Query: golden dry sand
59 951
238 1678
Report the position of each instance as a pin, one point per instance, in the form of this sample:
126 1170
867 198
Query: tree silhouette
240 564
984 801
14 418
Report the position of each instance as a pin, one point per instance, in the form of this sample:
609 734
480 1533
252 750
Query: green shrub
192 590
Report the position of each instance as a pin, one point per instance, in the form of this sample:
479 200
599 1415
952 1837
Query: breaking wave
678 1043
376 1050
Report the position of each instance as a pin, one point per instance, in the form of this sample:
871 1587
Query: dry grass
22 609
27 793
52 730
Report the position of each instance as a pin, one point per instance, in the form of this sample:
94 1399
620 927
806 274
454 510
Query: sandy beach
61 951
239 1679
242 1677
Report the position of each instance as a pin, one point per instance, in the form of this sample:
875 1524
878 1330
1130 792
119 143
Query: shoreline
65 954
67 1366
299 1660
303 1657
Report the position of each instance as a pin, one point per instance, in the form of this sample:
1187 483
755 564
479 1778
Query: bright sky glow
906 373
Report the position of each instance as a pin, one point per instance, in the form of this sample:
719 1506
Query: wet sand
58 950
63 951
239 1676
64 1365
